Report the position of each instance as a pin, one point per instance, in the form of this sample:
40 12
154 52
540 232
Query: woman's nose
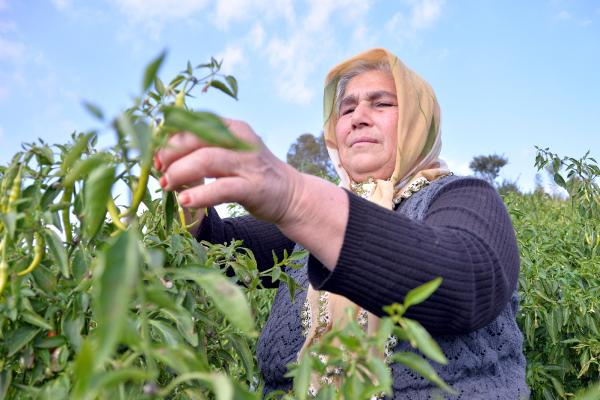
360 115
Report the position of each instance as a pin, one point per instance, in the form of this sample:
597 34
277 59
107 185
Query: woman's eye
384 105
347 111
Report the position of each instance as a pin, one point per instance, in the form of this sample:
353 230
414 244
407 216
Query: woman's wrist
316 218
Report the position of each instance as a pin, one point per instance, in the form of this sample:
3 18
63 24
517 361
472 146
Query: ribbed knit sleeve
260 237
466 237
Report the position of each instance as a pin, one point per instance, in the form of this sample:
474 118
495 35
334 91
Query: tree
309 154
488 167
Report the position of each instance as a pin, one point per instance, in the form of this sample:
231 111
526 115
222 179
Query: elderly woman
398 219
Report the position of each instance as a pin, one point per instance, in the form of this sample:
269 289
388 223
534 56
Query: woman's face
366 131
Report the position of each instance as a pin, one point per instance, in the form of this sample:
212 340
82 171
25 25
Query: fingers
242 130
183 143
223 190
178 145
210 162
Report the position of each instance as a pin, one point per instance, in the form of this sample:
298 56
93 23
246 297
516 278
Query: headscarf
417 163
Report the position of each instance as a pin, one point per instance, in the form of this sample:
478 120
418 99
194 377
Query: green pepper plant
104 294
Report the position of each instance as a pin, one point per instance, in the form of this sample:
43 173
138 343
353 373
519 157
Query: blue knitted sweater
457 228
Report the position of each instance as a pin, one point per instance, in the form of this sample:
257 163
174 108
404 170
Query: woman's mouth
362 140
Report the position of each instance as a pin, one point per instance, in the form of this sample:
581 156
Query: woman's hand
256 179
308 210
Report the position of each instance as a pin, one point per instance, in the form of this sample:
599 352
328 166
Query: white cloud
296 56
256 36
153 14
425 13
231 56
563 15
290 58
321 11
62 4
7 26
11 50
228 11
420 15
458 167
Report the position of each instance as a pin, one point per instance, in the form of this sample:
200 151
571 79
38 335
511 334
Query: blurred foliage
309 154
488 167
560 278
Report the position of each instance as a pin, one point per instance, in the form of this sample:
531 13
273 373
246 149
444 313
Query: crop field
107 296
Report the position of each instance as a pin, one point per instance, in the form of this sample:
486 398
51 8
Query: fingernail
163 181
157 163
184 199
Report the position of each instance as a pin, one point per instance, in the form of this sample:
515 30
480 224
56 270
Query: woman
398 220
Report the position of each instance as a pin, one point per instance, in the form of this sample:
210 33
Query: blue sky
509 75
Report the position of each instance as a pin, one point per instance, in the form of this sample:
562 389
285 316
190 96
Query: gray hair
358 68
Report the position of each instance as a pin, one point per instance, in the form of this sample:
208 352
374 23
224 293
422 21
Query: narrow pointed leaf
116 277
152 70
94 110
97 193
421 293
421 366
57 251
206 126
223 88
425 342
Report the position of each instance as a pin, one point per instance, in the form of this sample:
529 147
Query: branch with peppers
140 131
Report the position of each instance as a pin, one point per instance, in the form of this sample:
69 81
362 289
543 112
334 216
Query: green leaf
152 70
170 336
9 220
97 192
421 293
36 320
50 342
94 110
421 366
112 378
160 86
82 371
233 85
57 251
302 377
44 279
168 206
228 297
298 255
71 328
5 381
222 87
425 342
222 386
206 126
116 276
75 152
185 324
17 339
241 347
560 181
140 134
83 167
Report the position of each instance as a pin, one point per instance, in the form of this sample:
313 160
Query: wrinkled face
366 131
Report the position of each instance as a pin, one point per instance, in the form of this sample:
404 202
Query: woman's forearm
317 218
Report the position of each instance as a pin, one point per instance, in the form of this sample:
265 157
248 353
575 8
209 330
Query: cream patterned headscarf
417 163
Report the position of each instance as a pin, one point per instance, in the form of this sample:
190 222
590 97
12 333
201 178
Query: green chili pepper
15 190
37 255
3 264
